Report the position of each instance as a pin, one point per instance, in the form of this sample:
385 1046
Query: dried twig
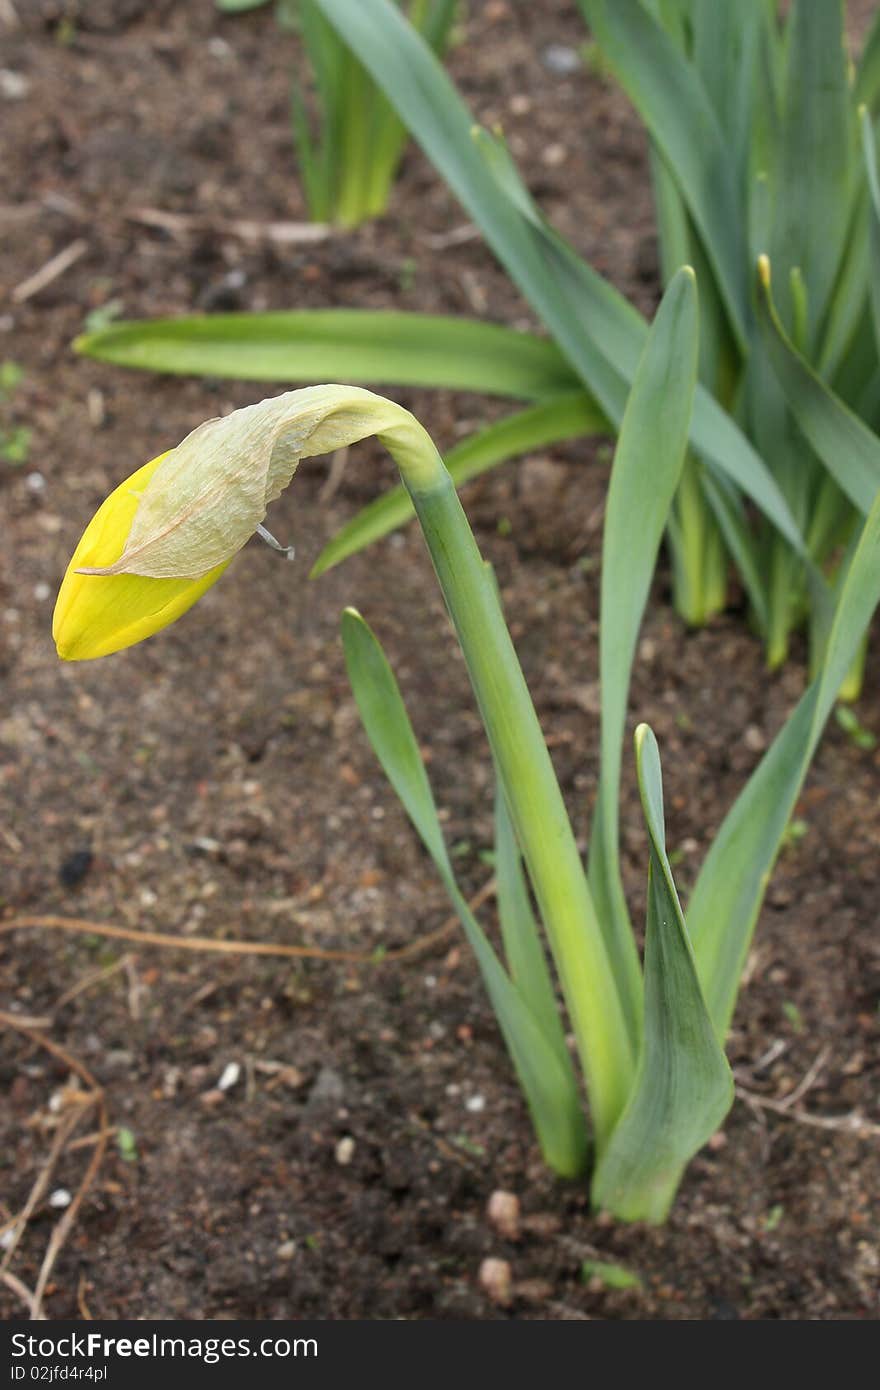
34 1300
851 1123
84 1310
185 223
88 1141
94 977
50 271
242 948
38 1188
184 943
458 236
13 1282
19 212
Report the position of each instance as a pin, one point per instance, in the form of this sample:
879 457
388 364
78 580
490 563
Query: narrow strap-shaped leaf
523 948
673 229
567 417
730 889
363 346
727 508
535 802
867 85
312 170
814 180
869 151
647 467
436 24
622 332
847 448
680 246
545 1074
846 305
600 333
725 53
670 97
331 66
683 1087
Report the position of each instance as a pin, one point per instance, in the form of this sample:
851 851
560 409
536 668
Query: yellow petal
99 614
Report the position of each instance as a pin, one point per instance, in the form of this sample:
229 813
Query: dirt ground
215 781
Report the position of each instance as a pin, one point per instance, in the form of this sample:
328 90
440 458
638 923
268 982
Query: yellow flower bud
169 531
97 615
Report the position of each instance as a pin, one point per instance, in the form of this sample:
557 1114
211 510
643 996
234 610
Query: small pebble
554 155
41 591
503 1213
543 1224
13 85
475 1104
75 867
647 650
496 1280
328 1088
230 1077
95 407
35 483
60 1198
534 1290
559 58
286 1250
345 1150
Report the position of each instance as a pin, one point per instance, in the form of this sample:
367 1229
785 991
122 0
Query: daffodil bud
167 533
96 616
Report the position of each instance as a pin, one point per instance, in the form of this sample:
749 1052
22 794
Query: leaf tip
764 270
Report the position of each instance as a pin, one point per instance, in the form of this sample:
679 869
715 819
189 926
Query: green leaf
683 1087
869 151
670 97
729 513
547 1078
846 306
611 1275
813 184
726 53
647 467
366 347
598 331
523 949
565 417
847 448
867 85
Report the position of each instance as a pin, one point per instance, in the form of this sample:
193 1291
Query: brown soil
215 781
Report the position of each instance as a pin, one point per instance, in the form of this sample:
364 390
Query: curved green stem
530 787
